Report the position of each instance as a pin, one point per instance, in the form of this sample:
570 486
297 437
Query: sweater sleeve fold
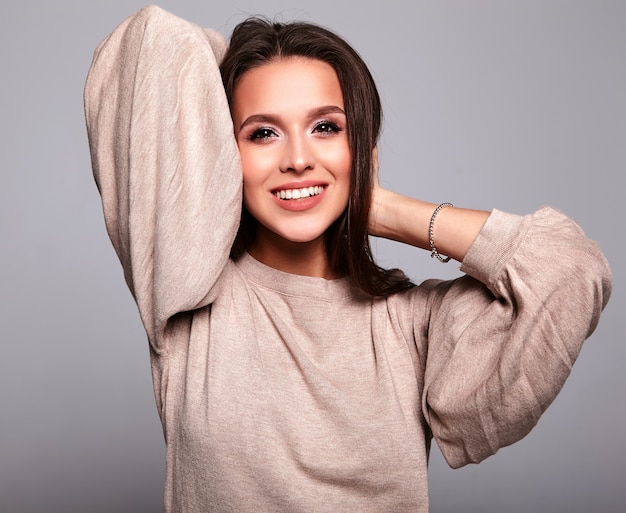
502 340
165 161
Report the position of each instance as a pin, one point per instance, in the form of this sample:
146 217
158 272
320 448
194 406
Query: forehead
286 84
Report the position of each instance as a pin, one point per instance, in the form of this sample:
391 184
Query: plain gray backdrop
488 104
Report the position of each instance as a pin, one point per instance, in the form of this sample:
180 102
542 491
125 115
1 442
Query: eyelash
323 127
261 134
331 127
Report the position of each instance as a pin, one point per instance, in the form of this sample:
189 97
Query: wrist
400 218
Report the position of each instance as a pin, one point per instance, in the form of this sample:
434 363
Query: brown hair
257 41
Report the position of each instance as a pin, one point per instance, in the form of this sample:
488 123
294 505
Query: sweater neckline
294 284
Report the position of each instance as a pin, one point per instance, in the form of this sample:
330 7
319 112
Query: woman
291 372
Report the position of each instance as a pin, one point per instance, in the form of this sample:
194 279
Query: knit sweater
280 392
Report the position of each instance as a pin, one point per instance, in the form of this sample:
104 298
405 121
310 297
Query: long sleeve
165 160
502 340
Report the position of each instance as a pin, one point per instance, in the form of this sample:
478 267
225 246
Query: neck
301 258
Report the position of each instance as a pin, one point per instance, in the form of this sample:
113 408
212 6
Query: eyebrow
270 118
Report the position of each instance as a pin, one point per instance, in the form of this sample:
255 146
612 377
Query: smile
294 194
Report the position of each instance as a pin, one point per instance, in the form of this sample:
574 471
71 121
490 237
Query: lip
301 204
299 185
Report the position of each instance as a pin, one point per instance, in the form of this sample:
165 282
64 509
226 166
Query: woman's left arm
501 340
403 219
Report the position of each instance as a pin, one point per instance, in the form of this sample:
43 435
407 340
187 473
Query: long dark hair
257 41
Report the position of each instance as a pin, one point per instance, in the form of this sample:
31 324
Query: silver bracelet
433 250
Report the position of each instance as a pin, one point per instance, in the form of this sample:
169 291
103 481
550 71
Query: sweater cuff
495 244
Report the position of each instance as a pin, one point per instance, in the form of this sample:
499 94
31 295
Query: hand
377 192
404 219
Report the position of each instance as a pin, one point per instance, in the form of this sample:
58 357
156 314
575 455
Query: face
291 131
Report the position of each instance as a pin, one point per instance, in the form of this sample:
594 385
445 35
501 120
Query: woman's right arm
165 160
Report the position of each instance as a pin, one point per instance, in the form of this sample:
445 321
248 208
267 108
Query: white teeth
305 192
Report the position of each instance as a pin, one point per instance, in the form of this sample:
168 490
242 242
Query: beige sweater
287 393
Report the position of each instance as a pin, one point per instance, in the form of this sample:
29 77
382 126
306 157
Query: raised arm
165 160
397 217
501 341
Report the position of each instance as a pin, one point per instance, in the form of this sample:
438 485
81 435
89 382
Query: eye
261 134
326 127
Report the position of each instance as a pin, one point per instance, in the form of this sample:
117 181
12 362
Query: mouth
296 194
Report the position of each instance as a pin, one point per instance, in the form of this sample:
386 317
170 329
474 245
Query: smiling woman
291 132
291 372
256 43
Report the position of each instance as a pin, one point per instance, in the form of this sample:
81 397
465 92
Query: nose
298 155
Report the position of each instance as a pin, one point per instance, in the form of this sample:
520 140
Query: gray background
488 104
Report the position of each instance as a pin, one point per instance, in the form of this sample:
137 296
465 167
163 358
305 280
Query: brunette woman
291 372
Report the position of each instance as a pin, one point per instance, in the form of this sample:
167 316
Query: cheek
254 167
343 165
344 156
337 158
255 174
251 192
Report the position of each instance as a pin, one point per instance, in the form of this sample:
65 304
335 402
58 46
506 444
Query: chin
300 233
297 231
302 238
